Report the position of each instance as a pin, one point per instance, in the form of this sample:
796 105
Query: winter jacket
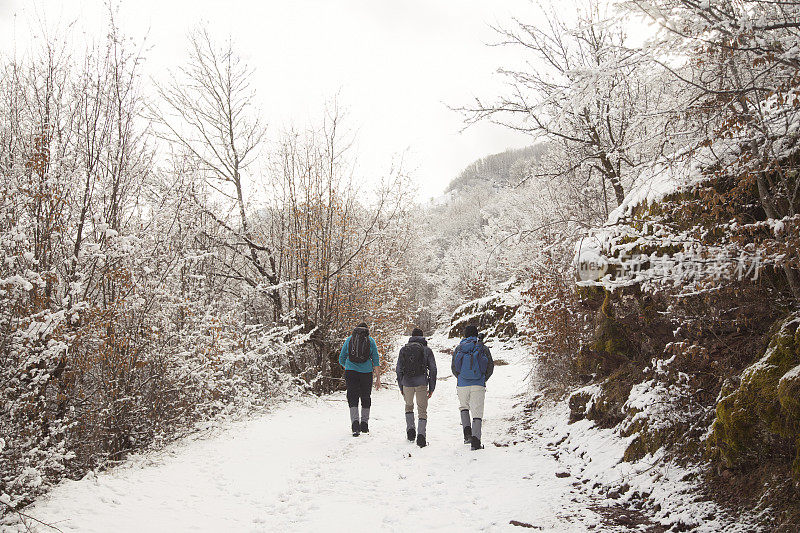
367 365
485 362
430 369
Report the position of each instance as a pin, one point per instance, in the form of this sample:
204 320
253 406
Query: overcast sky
395 64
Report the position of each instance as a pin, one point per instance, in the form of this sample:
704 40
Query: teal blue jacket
367 365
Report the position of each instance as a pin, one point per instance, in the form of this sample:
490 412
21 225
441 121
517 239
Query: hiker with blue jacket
359 356
416 376
472 365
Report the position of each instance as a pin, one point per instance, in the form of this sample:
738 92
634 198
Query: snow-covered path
297 468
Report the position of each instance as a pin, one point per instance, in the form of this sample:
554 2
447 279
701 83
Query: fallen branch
24 516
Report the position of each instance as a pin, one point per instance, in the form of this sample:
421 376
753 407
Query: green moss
610 348
789 396
732 431
591 295
763 404
607 408
647 441
609 336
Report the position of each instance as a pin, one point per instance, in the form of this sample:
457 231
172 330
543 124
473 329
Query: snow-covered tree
584 93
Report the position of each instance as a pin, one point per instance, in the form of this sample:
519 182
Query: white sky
395 64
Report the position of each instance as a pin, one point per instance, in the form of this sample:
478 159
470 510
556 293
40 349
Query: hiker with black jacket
472 365
416 376
359 356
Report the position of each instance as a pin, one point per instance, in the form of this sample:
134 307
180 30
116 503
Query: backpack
359 349
412 359
471 351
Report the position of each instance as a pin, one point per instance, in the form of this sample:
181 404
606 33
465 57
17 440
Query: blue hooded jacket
485 362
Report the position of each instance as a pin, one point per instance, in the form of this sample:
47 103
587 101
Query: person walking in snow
472 365
359 356
416 376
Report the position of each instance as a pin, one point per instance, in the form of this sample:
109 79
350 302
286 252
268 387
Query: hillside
504 169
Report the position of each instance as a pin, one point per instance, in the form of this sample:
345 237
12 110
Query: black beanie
471 331
362 325
417 333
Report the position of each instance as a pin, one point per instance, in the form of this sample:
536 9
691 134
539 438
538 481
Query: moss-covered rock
647 440
577 406
606 410
581 401
789 392
789 398
650 439
610 348
609 336
591 295
592 363
765 406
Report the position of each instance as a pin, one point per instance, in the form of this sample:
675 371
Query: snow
506 296
764 363
593 457
297 468
652 185
791 375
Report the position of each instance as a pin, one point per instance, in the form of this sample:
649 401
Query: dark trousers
359 385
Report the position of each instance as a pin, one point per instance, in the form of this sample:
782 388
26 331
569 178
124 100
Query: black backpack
359 350
412 359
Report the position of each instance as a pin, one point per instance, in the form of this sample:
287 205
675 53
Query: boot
466 424
476 434
364 420
354 421
476 443
422 423
411 433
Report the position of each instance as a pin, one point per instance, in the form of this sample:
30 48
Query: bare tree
325 229
208 111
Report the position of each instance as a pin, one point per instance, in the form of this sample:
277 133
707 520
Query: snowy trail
298 469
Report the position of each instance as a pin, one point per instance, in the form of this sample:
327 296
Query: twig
24 516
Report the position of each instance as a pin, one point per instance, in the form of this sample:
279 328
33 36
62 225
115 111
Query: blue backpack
471 354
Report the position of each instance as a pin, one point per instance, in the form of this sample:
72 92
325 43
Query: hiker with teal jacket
359 356
472 366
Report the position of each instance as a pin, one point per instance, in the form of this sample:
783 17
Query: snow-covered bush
138 297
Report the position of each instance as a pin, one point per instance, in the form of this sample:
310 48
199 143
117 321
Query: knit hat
417 333
362 325
471 331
